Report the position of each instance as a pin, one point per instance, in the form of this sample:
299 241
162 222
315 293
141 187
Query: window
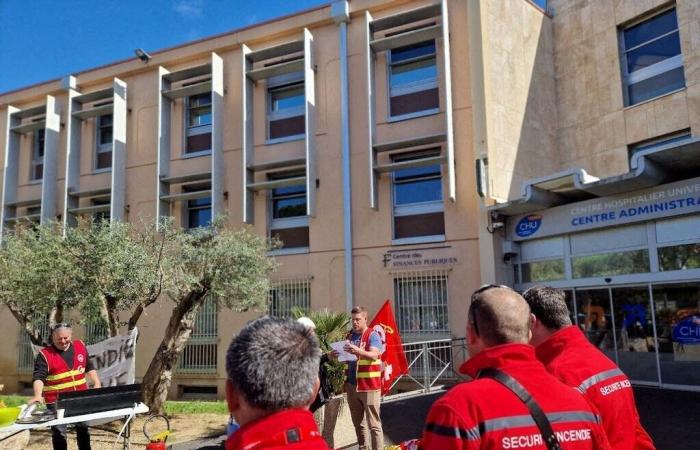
25 355
418 207
658 142
198 121
652 63
102 215
103 142
421 302
198 210
199 354
289 222
286 112
413 84
286 295
38 156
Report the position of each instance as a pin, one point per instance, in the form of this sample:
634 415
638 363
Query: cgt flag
393 358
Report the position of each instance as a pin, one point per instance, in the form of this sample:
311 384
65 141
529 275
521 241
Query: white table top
139 408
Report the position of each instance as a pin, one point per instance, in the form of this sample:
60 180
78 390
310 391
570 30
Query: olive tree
231 266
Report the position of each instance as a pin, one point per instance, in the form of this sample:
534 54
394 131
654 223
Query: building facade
352 133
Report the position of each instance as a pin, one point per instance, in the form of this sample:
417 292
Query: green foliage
330 327
195 407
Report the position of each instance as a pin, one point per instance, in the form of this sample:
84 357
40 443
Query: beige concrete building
352 132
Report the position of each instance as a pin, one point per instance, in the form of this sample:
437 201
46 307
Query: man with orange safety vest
569 356
364 381
62 367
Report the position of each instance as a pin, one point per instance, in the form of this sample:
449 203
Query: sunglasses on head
60 325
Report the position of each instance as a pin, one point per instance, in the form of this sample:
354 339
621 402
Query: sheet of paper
342 354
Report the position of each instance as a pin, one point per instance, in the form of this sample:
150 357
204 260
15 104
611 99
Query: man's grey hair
549 306
274 364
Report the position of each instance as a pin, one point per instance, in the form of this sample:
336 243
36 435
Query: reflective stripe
70 384
597 378
368 362
471 434
526 420
63 375
368 374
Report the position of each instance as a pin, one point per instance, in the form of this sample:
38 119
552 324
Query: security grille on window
103 147
198 123
38 156
421 302
285 113
286 295
198 211
289 222
199 354
652 63
418 206
413 80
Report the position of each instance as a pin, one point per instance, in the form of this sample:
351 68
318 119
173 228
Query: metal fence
287 294
95 331
421 301
200 353
25 355
432 362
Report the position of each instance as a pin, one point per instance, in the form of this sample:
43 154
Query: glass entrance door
678 328
619 322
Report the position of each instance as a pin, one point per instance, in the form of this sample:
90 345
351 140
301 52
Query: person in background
487 413
272 370
569 356
64 366
325 391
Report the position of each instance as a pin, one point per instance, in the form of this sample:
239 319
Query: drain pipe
340 11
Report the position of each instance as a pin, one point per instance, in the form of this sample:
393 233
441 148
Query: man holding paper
364 380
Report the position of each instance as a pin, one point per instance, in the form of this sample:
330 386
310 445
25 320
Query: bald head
500 316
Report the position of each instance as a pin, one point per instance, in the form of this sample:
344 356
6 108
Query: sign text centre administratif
682 197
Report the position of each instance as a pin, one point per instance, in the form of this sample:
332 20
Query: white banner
115 359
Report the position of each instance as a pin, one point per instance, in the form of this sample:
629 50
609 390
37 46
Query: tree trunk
27 325
157 380
112 315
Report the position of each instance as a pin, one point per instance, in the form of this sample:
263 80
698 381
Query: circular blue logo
528 225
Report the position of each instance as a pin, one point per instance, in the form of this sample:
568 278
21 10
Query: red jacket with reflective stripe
62 378
484 414
292 429
569 356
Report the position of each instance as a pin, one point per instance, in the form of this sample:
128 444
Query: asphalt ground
672 418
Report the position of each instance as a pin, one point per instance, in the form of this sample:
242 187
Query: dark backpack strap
536 412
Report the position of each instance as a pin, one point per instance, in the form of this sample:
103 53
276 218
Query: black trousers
59 434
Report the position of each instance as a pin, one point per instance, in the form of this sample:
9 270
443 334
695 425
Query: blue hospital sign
528 225
687 331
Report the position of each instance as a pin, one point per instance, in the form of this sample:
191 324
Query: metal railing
287 294
25 355
430 362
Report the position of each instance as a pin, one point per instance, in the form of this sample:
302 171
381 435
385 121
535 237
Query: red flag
394 358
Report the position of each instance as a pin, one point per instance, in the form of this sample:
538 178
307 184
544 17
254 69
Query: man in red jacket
272 370
485 414
569 356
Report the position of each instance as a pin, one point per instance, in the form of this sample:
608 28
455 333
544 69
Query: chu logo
528 225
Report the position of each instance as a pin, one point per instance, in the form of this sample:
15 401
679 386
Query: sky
42 40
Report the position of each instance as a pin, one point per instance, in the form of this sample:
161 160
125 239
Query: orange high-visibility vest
62 378
368 372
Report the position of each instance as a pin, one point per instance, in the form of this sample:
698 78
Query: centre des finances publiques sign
673 199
